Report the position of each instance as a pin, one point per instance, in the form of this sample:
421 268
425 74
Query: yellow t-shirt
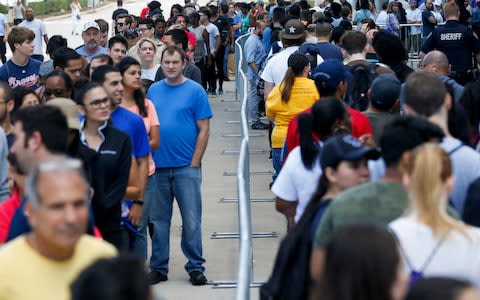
27 275
304 93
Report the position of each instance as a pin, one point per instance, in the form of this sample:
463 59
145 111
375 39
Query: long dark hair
296 63
321 121
138 95
361 264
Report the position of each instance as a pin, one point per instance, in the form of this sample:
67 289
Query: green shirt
371 202
376 202
378 121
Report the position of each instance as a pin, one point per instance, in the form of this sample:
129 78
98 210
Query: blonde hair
429 169
147 40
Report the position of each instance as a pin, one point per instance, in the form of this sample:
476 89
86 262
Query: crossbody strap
429 258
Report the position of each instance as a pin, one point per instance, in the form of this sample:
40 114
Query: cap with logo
90 24
331 72
345 148
294 29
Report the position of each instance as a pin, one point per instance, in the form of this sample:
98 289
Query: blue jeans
252 100
183 184
151 194
276 161
225 59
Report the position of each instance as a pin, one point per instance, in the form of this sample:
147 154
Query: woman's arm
133 189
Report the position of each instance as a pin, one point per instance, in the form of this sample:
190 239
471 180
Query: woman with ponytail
432 242
298 178
292 96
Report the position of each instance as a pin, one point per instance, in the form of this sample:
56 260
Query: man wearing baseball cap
292 37
383 95
91 48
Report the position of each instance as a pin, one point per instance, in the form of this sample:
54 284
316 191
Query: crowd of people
376 163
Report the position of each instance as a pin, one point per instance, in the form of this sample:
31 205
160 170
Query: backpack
357 89
290 278
312 52
417 274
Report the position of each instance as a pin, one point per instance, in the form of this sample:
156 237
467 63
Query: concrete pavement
221 254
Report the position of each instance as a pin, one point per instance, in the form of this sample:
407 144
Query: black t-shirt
119 11
223 25
458 43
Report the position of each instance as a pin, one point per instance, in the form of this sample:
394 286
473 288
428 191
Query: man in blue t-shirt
111 80
21 69
90 35
183 108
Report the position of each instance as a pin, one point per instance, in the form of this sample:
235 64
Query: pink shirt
151 120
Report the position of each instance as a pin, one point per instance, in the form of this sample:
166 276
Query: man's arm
6 28
267 88
287 208
203 127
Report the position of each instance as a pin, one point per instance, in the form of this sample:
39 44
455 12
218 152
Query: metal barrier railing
245 262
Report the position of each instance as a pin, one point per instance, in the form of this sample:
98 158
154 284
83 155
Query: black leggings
219 60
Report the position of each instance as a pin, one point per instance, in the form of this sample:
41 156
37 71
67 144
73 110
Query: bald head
436 62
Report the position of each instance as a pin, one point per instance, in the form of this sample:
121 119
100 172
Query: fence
245 263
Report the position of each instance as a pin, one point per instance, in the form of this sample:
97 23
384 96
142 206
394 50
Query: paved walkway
222 254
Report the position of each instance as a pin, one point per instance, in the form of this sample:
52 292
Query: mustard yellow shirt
303 95
27 275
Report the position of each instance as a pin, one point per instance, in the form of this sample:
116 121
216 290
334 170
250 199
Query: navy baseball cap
384 91
345 147
332 71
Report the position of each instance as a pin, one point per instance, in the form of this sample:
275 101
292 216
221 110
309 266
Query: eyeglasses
57 92
97 103
120 24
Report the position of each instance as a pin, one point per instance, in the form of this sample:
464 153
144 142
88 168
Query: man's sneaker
197 278
220 91
213 93
226 78
259 125
155 277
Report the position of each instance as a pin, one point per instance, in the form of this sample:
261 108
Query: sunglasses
120 24
57 92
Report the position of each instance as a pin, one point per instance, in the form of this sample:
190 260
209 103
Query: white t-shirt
38 27
295 182
213 32
466 168
456 257
382 18
414 15
150 73
277 66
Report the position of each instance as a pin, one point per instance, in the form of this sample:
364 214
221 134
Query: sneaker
155 277
226 78
220 91
258 125
213 93
197 278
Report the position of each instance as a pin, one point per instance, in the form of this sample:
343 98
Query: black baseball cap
345 147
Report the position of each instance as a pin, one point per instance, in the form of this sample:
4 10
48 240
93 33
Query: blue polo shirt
133 125
179 108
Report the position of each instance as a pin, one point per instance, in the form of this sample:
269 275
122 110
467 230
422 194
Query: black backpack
290 278
357 89
312 52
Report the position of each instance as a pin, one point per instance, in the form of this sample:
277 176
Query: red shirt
360 126
7 211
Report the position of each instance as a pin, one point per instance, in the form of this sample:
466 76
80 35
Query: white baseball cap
90 24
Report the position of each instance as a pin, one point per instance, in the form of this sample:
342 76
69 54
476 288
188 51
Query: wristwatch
139 202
